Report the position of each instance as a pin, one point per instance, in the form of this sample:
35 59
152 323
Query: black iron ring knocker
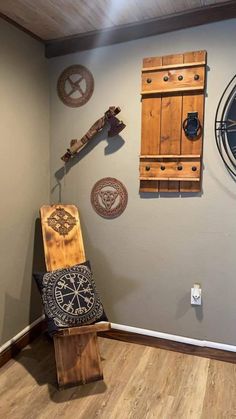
192 125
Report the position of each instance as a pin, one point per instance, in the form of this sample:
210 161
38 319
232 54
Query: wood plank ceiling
56 22
53 19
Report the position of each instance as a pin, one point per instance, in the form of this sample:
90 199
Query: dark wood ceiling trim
18 26
124 33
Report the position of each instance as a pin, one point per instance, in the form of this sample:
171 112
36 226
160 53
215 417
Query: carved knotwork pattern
61 221
109 197
75 86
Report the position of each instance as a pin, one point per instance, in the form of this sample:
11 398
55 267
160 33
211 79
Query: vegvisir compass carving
109 197
70 296
75 86
61 221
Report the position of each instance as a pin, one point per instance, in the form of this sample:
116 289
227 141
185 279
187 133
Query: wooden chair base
77 355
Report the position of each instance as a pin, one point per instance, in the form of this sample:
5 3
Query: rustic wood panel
154 81
147 186
77 358
170 124
152 62
170 169
152 67
171 117
193 103
151 131
174 78
151 125
81 330
62 251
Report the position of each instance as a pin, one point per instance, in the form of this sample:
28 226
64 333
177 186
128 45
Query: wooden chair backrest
62 236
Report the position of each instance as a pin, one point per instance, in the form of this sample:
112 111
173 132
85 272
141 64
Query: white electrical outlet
196 295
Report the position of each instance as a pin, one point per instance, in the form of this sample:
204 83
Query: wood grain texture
81 330
77 358
152 169
151 132
98 38
148 186
153 81
151 125
171 82
148 67
68 26
62 18
76 350
193 103
62 251
170 124
154 383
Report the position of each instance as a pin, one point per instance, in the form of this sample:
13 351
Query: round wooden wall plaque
75 86
109 197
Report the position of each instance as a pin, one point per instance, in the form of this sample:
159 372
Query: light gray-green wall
146 261
24 168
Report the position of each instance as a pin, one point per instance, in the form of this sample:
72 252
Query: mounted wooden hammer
116 126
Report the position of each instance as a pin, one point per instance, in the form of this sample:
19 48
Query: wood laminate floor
140 382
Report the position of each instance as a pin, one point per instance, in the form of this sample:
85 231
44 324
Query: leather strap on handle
115 127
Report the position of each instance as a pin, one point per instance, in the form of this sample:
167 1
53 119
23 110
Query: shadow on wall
114 144
13 306
184 306
112 288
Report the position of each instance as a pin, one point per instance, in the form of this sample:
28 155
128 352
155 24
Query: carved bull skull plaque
109 197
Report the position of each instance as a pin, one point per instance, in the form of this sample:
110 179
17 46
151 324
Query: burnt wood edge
170 345
23 341
150 27
18 26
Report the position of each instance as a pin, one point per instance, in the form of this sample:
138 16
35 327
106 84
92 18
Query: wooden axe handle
76 145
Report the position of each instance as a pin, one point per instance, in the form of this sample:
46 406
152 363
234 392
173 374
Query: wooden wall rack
76 349
172 86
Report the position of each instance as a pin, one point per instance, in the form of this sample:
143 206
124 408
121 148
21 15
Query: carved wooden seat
76 349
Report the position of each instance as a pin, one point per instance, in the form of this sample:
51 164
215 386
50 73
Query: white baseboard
137 330
181 339
20 334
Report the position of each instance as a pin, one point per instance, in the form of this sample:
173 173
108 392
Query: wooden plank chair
76 349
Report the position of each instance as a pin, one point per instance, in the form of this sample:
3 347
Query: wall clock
225 126
75 86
